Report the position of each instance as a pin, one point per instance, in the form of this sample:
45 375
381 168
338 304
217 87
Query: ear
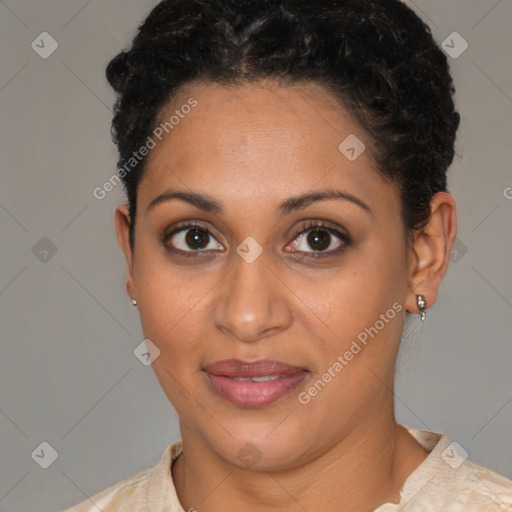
431 250
122 224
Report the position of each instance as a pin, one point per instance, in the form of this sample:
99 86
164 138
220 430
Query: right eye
190 239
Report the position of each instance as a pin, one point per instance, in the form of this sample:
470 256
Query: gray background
68 375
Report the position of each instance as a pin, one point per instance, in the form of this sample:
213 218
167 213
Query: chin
261 446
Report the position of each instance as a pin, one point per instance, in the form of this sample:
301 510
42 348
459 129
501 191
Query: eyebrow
296 203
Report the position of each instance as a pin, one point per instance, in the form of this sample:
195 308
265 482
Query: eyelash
311 226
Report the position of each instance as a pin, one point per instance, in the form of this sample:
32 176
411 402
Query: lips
243 369
253 384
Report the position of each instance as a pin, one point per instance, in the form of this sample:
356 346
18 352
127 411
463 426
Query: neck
364 470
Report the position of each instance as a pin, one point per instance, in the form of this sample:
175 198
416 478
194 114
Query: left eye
320 238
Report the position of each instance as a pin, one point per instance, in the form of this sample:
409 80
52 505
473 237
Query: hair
376 56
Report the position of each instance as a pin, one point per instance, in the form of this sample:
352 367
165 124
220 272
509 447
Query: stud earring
134 302
422 303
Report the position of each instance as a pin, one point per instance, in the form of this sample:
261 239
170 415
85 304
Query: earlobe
431 250
122 224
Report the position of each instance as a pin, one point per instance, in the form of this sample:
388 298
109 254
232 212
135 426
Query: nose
252 301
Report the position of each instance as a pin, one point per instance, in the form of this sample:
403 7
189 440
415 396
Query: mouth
253 384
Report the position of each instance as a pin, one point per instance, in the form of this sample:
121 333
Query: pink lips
283 378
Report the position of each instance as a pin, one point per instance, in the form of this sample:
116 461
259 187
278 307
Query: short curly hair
376 56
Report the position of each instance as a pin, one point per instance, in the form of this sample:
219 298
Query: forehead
259 142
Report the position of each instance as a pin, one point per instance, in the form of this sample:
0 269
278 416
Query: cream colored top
444 482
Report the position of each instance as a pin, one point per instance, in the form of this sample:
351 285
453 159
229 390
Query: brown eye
197 238
321 240
191 238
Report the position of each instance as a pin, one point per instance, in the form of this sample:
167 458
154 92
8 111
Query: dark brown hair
377 56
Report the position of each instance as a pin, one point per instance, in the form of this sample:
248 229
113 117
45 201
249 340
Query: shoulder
481 489
448 481
130 492
139 492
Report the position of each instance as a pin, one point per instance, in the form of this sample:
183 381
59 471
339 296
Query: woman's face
246 286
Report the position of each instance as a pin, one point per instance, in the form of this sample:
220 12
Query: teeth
264 378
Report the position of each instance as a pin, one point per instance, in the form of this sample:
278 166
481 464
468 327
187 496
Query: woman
285 167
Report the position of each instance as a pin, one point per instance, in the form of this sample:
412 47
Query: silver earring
134 302
422 303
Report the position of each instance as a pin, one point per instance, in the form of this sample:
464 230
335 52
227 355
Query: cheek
170 301
359 337
172 316
354 298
